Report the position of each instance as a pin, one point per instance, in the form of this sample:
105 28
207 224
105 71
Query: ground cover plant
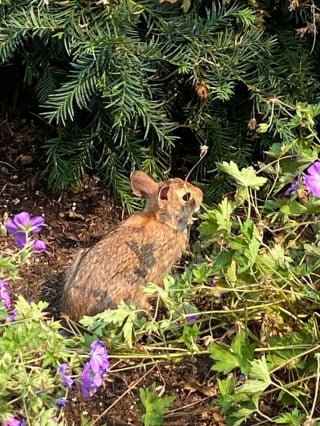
38 364
253 304
124 85
248 303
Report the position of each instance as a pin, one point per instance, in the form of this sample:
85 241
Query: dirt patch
74 220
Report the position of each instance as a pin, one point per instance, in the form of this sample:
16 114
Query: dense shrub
122 81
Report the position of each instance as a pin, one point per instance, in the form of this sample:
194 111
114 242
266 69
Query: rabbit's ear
163 196
142 184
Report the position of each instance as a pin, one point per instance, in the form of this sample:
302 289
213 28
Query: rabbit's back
139 251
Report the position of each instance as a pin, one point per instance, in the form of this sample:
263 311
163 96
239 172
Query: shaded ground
74 220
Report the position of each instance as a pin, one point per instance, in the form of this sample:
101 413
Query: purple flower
312 180
90 380
39 245
61 402
23 223
12 316
21 239
13 422
192 318
292 188
99 358
21 226
5 299
4 294
94 369
66 379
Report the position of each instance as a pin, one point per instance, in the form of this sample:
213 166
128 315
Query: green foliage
125 81
294 418
250 298
155 406
31 351
240 355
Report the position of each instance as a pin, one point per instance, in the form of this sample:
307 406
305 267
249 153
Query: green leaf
293 208
259 377
226 386
189 337
186 5
253 386
154 405
231 273
223 214
225 361
278 254
295 418
259 370
244 350
246 177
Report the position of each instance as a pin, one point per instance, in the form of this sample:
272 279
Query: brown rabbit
141 249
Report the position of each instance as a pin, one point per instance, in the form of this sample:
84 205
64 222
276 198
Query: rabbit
142 249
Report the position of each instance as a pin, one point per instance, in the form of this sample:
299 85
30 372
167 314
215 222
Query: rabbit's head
173 201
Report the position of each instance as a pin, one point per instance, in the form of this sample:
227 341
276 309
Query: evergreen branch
77 91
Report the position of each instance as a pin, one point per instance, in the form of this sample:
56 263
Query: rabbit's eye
186 196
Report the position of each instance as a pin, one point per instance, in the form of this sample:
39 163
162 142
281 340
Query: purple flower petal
314 169
12 422
12 316
292 188
21 239
37 223
312 179
90 380
4 294
61 402
39 245
85 381
23 222
66 379
192 318
312 183
11 226
99 358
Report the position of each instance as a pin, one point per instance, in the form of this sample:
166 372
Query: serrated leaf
253 386
225 361
259 370
278 255
155 406
293 419
223 213
259 377
246 177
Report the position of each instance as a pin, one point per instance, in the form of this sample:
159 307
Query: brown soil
78 219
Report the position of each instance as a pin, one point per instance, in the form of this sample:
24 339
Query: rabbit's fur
141 249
